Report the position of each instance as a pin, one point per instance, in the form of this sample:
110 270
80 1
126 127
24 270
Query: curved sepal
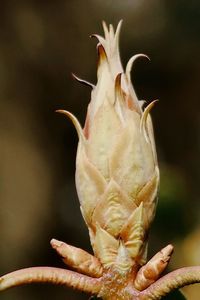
85 82
130 64
74 121
143 125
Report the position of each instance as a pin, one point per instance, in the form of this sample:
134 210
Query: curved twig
50 275
171 281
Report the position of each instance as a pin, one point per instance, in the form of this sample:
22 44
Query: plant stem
50 275
171 281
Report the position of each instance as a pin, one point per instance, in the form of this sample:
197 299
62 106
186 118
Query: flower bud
117 174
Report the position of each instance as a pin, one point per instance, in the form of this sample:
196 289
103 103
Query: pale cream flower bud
117 175
117 179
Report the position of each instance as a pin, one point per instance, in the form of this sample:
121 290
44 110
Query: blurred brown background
41 43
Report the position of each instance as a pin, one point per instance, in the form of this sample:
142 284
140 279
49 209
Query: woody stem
171 281
50 275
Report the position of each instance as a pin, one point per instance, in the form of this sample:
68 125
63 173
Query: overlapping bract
117 180
117 175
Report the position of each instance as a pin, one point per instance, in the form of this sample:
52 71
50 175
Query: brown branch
171 281
50 275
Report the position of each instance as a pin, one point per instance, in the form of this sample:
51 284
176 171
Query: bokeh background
41 43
